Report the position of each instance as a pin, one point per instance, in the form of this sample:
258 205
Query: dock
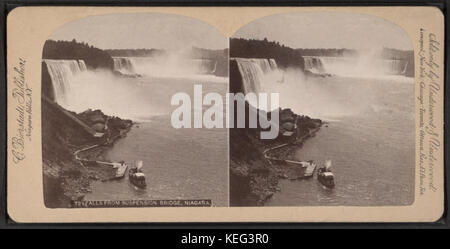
121 168
309 167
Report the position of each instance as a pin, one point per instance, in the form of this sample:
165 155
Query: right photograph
346 126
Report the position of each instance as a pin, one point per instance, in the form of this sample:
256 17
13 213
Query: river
178 163
368 135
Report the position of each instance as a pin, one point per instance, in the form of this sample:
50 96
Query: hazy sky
328 30
143 30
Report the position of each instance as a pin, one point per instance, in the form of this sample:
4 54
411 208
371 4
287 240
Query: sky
142 30
328 30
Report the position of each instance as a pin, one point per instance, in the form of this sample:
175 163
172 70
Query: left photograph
115 89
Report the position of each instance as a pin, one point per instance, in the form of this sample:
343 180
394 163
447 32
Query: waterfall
355 66
82 65
273 64
203 66
263 64
124 65
215 68
398 66
252 72
256 73
313 64
164 66
61 73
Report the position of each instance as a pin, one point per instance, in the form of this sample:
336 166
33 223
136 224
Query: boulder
288 126
286 115
98 127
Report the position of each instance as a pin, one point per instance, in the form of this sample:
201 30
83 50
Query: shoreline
66 178
283 170
253 176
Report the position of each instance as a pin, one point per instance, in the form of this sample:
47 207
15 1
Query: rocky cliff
65 178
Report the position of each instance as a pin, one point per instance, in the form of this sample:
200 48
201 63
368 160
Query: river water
178 163
369 136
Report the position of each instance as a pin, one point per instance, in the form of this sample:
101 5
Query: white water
314 96
123 65
77 89
257 73
355 66
62 72
165 66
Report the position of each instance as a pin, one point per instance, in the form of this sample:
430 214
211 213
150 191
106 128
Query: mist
324 97
113 95
367 64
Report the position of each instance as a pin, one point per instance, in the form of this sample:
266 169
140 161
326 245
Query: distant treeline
334 52
220 56
142 52
72 50
386 53
396 54
284 56
202 53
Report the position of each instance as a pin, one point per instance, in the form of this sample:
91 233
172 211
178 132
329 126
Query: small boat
325 176
136 176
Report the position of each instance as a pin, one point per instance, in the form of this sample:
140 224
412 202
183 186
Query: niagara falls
347 121
106 112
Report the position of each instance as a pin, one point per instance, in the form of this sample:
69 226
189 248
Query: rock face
287 115
253 179
64 178
46 82
289 126
98 127
95 119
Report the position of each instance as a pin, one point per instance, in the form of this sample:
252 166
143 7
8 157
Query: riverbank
64 177
254 178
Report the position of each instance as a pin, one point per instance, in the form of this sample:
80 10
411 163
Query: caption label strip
141 203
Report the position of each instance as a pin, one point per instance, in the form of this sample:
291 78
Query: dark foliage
143 52
220 56
395 54
72 50
335 52
284 56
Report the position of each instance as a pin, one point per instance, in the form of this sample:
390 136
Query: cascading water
204 66
169 66
251 74
355 66
256 73
307 95
273 64
313 64
61 73
82 65
124 65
